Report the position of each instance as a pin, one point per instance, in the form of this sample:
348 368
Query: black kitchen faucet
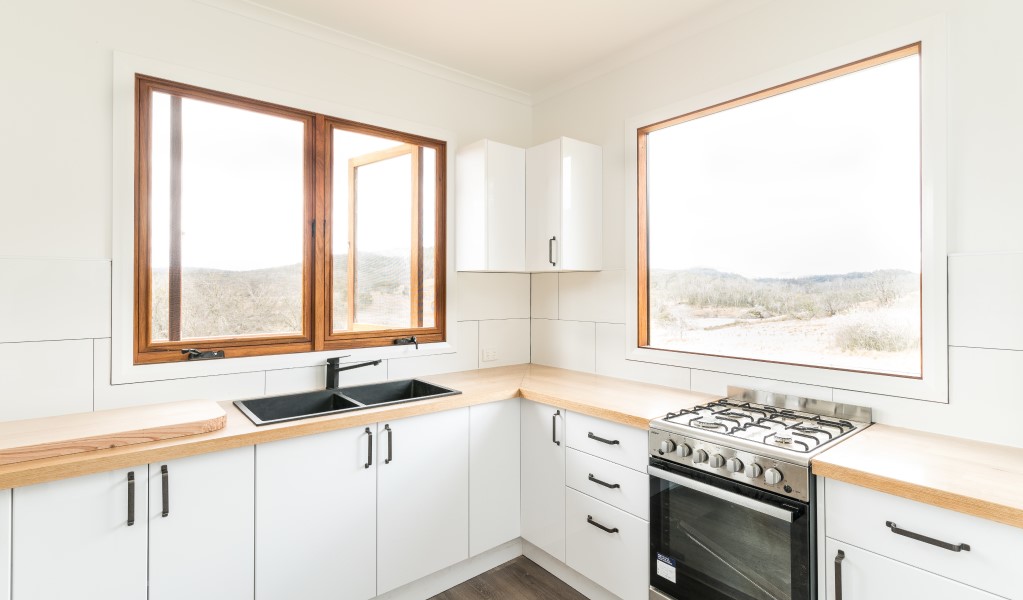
334 367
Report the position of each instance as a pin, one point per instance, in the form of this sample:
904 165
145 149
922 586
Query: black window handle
602 440
927 540
604 483
390 446
369 460
166 491
838 574
590 520
550 250
554 427
131 498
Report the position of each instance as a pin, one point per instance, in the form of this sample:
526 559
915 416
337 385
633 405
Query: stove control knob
753 470
667 446
773 476
717 461
700 456
734 465
683 450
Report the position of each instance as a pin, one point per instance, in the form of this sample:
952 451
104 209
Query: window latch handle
196 354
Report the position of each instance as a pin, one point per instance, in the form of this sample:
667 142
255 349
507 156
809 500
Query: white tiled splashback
55 346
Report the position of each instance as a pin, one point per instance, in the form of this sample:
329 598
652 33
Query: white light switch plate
489 354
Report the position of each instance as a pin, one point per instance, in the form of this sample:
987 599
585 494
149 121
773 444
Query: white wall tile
544 296
598 296
985 300
509 337
54 299
610 347
465 359
484 296
712 382
564 344
43 379
214 387
5 544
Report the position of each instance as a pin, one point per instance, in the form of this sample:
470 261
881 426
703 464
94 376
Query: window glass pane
788 229
241 210
429 183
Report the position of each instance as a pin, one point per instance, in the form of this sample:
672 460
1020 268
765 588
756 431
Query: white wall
56 182
578 319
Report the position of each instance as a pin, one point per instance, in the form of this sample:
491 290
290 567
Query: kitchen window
262 229
785 226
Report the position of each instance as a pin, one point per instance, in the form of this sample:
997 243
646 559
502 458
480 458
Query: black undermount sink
290 407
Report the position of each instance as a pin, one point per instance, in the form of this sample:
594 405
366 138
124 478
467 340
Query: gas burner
783 437
708 423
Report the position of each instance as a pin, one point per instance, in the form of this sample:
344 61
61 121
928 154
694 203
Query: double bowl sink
290 407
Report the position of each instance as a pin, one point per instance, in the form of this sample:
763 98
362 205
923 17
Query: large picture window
785 226
261 229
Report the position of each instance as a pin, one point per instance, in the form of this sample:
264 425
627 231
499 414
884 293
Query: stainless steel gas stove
732 512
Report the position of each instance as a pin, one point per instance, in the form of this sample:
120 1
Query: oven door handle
778 512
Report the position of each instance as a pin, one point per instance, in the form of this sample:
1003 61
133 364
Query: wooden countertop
627 402
984 480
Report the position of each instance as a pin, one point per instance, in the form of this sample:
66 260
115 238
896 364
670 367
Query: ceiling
525 45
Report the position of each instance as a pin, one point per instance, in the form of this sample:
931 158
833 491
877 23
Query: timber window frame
316 330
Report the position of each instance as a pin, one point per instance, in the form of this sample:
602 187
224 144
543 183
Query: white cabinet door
316 516
422 496
543 207
869 576
201 511
5 544
490 207
543 477
608 545
73 538
493 474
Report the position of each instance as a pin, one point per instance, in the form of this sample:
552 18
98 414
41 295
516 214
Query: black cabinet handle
604 483
602 440
166 491
838 574
550 250
554 427
390 446
590 520
927 540
131 498
369 460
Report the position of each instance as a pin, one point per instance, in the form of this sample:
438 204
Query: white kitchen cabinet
608 545
869 576
564 206
493 474
490 207
201 511
543 477
75 538
422 496
5 544
316 506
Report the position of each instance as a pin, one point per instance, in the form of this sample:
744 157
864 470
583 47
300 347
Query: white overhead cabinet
316 506
543 477
490 192
534 210
82 537
564 206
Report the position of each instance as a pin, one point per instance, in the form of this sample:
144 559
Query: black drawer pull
390 445
369 459
590 520
554 427
604 483
166 491
838 574
131 498
602 440
927 540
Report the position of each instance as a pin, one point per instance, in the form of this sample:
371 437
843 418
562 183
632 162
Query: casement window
262 229
785 226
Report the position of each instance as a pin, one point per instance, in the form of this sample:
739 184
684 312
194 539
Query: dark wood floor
518 579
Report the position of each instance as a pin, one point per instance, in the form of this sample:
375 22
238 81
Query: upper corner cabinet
564 204
490 200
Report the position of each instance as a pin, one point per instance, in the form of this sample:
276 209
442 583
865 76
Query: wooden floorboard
517 579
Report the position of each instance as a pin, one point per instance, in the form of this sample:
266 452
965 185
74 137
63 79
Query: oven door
712 538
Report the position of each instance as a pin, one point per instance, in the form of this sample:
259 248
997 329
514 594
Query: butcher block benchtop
627 402
975 478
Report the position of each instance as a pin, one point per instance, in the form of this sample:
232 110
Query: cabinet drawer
615 442
625 489
616 560
859 516
869 576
